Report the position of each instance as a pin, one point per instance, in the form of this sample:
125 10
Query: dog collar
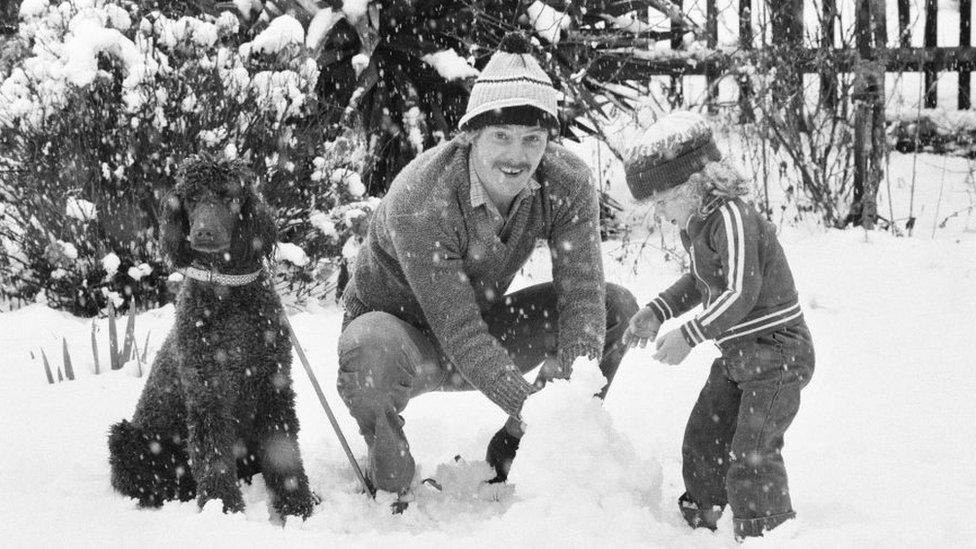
220 278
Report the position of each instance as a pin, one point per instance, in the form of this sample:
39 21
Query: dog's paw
297 504
233 503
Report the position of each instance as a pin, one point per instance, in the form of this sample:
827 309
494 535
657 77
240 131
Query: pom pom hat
670 151
512 89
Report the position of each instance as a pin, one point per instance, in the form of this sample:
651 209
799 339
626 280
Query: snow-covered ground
881 454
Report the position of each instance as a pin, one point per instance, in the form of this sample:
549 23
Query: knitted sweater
433 261
738 273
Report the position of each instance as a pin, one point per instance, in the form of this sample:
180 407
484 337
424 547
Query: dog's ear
256 230
174 226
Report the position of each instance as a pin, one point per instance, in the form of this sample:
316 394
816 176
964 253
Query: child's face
674 206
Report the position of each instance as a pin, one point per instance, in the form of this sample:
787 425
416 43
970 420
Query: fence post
828 76
677 94
711 41
745 43
904 20
869 96
965 30
931 41
787 23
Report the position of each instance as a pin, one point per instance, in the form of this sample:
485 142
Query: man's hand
643 328
672 348
552 368
514 427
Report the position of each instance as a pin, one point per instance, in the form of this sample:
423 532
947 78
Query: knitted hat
511 89
670 151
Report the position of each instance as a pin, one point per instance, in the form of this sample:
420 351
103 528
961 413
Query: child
733 441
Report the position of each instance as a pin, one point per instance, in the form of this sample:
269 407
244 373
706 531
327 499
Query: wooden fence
785 21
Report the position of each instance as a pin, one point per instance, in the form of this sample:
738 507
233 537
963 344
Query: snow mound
573 464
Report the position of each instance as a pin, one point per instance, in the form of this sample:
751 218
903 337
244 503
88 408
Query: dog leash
328 410
318 392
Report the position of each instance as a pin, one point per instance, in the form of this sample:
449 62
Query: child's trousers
734 438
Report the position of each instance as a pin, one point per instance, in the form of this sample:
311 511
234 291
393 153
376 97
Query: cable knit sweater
432 260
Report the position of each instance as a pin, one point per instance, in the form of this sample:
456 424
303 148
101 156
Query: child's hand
643 327
672 348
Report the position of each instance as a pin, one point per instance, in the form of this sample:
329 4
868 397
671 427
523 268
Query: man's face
505 157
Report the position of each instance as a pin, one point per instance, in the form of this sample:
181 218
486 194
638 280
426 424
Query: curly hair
718 180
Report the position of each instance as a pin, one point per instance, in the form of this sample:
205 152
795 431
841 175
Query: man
426 308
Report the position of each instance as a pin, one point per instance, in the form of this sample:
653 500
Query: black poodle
218 405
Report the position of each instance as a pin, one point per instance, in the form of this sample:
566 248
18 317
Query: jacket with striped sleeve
738 273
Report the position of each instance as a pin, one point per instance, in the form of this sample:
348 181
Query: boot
391 467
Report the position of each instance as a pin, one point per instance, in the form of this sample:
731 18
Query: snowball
547 21
283 31
111 263
286 251
78 208
450 65
322 222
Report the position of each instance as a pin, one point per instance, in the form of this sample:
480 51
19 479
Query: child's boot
698 517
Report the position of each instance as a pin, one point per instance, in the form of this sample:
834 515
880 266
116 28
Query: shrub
94 120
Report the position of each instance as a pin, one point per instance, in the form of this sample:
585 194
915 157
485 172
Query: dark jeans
385 361
734 438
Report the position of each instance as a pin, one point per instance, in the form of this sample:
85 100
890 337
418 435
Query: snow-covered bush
108 101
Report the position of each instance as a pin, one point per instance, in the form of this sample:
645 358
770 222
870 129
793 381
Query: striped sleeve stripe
692 332
771 316
661 309
782 317
734 236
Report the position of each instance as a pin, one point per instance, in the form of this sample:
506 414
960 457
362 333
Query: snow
88 39
450 65
323 222
111 263
319 27
880 454
359 62
33 8
283 31
286 251
354 9
547 21
140 271
349 178
80 209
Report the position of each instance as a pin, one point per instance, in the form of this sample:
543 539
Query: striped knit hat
512 89
670 151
